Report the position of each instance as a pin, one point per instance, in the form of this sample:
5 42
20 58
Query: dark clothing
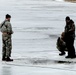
70 30
61 45
69 38
70 47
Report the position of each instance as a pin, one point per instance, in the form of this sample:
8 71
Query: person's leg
8 48
68 47
71 49
3 48
60 47
62 51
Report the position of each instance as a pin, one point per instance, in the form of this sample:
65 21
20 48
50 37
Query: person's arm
66 30
9 28
72 28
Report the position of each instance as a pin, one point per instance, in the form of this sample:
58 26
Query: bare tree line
71 0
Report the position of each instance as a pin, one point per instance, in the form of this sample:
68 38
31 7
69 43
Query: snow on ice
37 25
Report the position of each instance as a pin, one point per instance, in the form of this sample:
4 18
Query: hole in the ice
68 62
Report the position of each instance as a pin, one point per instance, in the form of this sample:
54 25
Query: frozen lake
36 25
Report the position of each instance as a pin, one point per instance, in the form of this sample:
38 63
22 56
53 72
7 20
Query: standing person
6 30
70 37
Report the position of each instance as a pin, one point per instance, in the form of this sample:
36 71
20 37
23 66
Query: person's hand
12 32
70 30
4 33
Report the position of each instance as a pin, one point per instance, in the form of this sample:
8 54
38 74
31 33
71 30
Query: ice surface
37 25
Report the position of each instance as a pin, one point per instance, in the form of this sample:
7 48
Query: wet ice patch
39 61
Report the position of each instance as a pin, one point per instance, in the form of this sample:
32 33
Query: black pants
70 46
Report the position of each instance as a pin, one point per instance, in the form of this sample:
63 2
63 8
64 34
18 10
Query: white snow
37 25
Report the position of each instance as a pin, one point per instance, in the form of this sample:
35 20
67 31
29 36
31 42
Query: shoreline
73 1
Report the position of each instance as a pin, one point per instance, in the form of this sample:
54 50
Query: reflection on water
6 71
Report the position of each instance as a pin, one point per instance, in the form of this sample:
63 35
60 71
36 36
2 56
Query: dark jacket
70 30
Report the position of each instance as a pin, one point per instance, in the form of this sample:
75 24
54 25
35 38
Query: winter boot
3 58
62 53
8 59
